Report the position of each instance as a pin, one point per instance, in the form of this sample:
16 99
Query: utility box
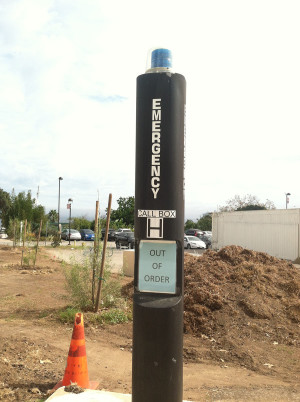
274 231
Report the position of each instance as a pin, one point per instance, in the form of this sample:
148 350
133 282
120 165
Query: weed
29 256
82 279
67 316
112 316
78 280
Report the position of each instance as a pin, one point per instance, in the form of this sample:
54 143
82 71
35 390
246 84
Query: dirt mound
240 284
242 301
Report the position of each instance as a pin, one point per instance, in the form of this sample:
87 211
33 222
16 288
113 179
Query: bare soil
241 339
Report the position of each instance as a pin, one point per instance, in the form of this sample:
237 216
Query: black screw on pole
157 362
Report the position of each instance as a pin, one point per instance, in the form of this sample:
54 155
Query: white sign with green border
157 266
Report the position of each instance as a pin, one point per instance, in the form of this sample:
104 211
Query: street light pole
287 200
59 179
70 208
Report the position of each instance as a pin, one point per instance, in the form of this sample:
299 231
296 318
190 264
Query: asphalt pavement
110 244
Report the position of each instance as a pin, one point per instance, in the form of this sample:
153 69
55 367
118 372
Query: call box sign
157 266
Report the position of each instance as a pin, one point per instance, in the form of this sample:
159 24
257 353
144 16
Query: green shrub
82 279
111 293
78 280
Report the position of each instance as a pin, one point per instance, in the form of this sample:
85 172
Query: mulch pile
242 302
228 288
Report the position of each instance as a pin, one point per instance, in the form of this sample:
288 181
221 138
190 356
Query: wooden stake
103 254
37 244
24 239
96 250
15 240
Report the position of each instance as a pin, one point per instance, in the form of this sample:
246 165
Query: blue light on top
161 58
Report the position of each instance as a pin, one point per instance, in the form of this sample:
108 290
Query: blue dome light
161 58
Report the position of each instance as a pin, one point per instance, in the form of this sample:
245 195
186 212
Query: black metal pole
287 200
70 224
58 204
58 209
157 360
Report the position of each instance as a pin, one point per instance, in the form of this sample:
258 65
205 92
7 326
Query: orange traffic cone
76 370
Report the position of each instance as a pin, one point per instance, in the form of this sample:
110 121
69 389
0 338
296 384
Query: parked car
194 232
207 232
193 242
120 230
87 234
72 235
3 234
125 239
110 236
206 239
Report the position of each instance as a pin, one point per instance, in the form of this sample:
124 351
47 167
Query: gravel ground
114 256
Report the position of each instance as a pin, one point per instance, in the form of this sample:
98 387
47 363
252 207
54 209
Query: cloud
67 95
111 98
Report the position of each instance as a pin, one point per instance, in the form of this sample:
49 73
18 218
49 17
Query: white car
74 234
3 234
193 242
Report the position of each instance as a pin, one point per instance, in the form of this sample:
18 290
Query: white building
274 231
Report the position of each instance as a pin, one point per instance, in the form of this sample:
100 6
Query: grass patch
106 316
114 316
67 316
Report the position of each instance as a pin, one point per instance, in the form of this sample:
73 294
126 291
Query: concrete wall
276 232
128 262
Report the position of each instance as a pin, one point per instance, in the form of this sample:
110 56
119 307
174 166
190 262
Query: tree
251 207
205 222
52 216
4 203
189 224
248 202
20 207
38 215
124 214
81 223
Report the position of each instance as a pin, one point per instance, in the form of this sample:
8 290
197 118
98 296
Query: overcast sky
68 73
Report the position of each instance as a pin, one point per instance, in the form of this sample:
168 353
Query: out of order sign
157 266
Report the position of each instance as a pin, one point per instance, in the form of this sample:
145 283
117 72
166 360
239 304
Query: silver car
70 235
193 242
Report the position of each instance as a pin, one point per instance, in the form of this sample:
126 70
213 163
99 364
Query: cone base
92 385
